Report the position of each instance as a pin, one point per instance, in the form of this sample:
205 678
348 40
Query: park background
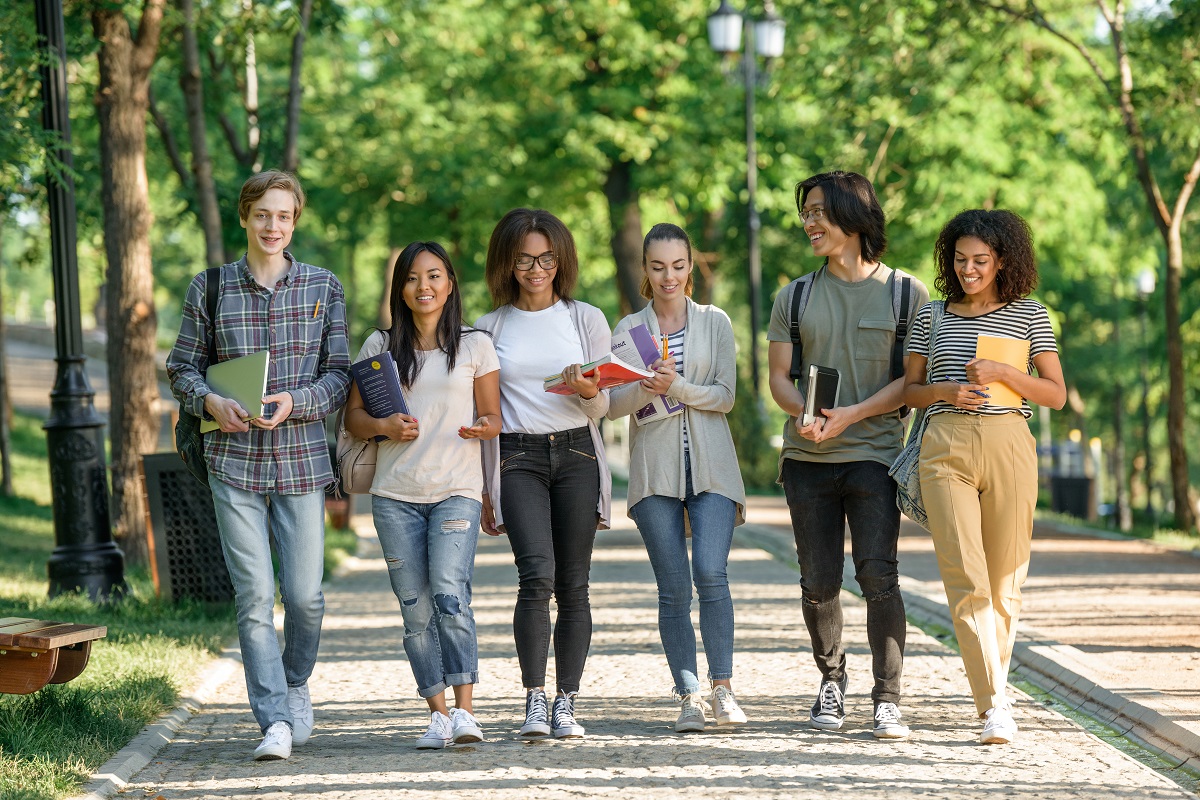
408 119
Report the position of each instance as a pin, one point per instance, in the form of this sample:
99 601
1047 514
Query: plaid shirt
310 359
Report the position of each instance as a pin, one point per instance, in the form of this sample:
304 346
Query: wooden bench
36 652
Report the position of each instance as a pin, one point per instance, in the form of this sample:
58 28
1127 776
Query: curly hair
1009 238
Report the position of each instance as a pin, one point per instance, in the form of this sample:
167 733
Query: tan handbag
355 459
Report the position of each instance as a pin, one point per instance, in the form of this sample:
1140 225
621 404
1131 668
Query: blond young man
268 475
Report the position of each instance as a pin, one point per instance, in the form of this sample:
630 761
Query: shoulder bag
906 469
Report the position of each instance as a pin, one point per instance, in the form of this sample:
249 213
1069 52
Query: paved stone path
1128 611
368 714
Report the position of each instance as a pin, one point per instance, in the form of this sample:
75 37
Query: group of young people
485 447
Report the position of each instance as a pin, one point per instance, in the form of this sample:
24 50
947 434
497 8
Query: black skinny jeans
549 487
822 499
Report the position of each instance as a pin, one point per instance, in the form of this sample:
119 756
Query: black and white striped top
675 349
955 346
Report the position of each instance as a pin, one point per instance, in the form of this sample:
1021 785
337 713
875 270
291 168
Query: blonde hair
258 185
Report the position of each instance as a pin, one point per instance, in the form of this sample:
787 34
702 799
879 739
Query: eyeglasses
546 261
812 215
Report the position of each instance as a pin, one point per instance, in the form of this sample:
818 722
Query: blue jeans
430 554
823 498
247 522
549 484
660 521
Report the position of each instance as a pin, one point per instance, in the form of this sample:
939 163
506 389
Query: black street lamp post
762 37
85 556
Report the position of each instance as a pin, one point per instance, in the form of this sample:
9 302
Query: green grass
51 741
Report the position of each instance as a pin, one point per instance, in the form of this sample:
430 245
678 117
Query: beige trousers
979 483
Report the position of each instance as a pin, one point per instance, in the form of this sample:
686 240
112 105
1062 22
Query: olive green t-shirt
850 327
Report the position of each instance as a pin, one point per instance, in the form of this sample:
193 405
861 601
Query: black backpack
188 439
901 295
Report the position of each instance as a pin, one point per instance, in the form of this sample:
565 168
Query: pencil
316 308
665 354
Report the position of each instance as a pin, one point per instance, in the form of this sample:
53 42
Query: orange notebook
1015 353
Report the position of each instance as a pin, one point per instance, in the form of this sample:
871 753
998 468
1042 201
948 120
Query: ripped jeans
823 498
430 553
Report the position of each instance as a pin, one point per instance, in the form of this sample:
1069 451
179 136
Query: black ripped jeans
822 498
549 488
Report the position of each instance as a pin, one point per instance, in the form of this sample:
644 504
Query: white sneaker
725 709
1000 727
276 744
437 735
888 724
691 714
300 704
464 727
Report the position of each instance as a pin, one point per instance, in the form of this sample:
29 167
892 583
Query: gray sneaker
537 714
300 706
691 714
563 719
888 724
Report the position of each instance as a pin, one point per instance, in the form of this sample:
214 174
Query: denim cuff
462 678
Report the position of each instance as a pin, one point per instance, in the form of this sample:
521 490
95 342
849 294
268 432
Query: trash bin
186 559
1071 494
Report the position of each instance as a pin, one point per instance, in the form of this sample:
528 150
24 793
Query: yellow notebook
1015 353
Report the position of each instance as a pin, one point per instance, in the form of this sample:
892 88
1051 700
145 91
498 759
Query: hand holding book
664 376
585 383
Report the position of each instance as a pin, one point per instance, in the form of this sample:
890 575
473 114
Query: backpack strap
901 299
802 289
212 289
937 309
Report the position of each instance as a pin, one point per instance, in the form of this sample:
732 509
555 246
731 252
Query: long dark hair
851 204
1010 239
402 336
505 245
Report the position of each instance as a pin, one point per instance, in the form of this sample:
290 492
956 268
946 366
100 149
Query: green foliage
430 120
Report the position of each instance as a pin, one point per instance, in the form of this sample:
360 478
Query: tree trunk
711 230
122 100
625 219
352 288
385 300
6 485
1120 475
192 84
250 101
291 150
1185 508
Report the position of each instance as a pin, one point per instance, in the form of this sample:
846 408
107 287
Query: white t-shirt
534 346
437 464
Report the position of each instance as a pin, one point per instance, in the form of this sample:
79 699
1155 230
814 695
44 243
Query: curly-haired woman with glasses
978 462
548 486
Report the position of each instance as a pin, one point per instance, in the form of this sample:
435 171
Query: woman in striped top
683 471
978 460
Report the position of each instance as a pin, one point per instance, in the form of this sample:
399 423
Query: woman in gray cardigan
683 472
